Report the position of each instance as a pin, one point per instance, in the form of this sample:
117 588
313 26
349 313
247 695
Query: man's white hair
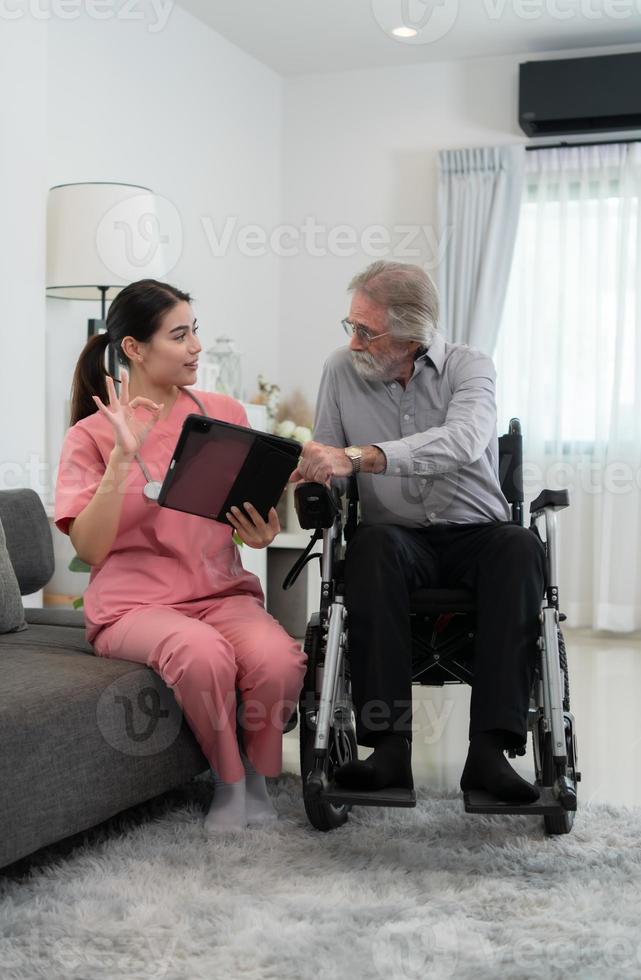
408 294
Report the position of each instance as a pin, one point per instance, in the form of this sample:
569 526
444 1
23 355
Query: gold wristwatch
355 453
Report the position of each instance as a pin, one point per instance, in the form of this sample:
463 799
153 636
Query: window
568 354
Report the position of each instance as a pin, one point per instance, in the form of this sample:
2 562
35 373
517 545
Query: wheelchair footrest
478 801
392 796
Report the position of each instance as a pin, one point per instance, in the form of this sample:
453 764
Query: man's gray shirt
438 435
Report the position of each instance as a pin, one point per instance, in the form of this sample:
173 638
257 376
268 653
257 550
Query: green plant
77 565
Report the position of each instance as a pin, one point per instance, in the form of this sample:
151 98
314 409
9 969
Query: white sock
258 805
227 808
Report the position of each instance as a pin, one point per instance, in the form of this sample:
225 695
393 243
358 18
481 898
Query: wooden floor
605 688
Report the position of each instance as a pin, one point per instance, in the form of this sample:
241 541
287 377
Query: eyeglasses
361 332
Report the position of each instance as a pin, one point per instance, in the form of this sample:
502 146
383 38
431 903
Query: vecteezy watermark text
589 477
318 240
426 21
155 12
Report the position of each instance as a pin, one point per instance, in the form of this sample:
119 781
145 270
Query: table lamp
94 235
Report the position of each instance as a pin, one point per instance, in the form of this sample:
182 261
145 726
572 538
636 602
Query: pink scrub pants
204 649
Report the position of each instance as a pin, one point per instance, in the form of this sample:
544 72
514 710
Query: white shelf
297 539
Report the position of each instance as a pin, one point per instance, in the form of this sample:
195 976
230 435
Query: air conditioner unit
580 95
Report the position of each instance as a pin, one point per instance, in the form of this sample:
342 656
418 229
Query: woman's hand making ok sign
130 430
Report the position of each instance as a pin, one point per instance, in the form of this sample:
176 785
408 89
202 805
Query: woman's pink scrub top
160 556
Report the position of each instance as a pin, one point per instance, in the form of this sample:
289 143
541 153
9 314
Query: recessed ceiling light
404 32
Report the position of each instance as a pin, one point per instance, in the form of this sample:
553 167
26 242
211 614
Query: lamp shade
101 235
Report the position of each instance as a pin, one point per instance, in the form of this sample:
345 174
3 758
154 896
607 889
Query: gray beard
372 369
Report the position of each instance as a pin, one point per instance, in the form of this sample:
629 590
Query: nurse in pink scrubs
168 589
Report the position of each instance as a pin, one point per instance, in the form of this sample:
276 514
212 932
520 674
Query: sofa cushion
11 610
51 638
29 540
55 616
83 737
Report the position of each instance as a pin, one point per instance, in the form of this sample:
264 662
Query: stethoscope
151 489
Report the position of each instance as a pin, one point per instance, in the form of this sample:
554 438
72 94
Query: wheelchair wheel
323 816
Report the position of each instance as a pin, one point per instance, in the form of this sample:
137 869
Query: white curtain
569 364
479 199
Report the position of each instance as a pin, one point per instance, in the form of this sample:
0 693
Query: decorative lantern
221 368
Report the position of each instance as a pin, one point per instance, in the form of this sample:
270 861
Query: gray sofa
82 737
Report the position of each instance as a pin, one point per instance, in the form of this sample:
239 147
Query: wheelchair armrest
555 499
316 505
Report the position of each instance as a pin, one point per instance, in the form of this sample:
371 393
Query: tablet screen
209 464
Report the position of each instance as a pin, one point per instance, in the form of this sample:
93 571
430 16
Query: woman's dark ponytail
90 378
135 312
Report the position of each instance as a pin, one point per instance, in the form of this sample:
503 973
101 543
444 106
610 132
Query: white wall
186 113
230 143
22 210
361 150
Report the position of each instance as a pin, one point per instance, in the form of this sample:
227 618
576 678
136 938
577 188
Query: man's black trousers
504 564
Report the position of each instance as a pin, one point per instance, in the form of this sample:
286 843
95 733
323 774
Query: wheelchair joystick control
315 506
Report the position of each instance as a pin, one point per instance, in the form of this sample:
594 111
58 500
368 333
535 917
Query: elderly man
415 417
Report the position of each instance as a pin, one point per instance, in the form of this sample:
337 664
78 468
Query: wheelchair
443 628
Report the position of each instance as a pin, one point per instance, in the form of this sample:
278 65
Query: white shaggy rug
430 892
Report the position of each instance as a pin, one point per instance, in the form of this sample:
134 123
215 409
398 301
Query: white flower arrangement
289 430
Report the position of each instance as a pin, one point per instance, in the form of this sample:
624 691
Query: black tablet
217 465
